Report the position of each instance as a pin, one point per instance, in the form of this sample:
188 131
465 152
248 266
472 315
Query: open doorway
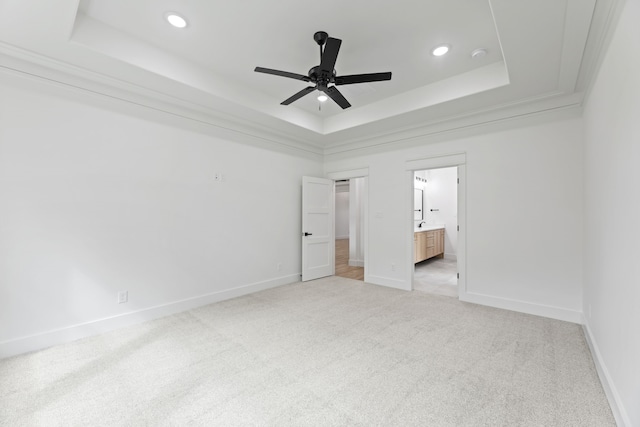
349 228
436 231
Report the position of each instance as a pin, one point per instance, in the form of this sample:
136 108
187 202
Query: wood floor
342 262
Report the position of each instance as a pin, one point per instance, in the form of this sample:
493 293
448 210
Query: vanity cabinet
439 242
428 244
419 246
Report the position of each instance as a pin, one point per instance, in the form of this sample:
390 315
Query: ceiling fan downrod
321 38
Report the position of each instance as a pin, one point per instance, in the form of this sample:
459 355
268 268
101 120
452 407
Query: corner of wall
619 412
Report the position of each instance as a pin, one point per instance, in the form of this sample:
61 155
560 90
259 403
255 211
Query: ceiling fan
324 74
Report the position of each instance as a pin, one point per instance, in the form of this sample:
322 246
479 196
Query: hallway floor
437 276
343 269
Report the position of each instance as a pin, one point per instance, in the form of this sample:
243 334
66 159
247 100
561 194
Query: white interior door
318 235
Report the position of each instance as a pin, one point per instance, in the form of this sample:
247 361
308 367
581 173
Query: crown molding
21 63
603 24
546 108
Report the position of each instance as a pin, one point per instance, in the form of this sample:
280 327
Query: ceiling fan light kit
324 75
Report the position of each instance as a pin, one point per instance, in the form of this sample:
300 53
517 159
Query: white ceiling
540 54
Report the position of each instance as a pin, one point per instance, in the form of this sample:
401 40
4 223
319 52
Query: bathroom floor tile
436 276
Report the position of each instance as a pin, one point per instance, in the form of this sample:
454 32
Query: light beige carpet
329 352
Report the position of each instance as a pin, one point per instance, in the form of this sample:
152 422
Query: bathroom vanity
428 242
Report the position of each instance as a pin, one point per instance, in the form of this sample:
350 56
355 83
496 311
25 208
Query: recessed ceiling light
322 98
175 20
440 50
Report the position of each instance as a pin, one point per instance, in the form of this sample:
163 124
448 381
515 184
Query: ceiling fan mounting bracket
321 37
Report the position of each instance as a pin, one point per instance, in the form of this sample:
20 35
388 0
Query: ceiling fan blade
298 95
335 94
362 78
282 74
330 55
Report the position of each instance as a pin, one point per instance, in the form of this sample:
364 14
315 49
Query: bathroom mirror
417 205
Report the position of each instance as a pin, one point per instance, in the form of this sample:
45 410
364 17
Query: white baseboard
95 327
452 257
356 262
551 312
388 282
342 237
619 413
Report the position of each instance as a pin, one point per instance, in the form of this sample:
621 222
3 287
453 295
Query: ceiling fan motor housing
320 77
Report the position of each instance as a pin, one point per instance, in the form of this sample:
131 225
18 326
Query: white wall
523 208
440 192
93 202
612 213
342 211
357 187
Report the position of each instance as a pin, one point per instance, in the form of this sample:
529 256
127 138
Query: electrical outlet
217 177
393 267
123 297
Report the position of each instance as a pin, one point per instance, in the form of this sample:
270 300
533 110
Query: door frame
359 173
438 162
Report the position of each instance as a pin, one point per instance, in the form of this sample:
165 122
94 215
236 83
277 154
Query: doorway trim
436 162
359 173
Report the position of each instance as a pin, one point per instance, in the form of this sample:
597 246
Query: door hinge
458 275
458 180
458 228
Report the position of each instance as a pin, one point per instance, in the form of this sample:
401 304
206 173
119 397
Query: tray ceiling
535 56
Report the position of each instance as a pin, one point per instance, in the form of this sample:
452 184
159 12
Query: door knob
308 234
